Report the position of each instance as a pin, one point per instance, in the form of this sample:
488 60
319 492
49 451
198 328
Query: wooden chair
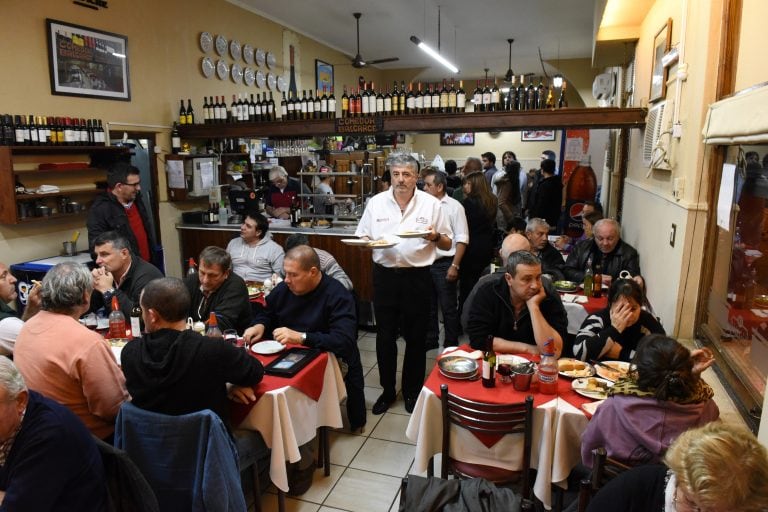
491 419
604 469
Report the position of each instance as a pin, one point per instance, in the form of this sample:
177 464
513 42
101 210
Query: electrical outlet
678 186
672 234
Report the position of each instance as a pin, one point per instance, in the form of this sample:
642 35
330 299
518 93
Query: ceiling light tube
432 53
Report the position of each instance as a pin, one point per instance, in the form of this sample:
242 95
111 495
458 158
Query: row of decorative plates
246 52
240 75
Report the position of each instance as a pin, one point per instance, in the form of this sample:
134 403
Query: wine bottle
345 103
530 96
387 102
364 105
32 130
444 98
318 104
372 105
477 97
461 98
452 96
418 100
175 140
310 114
489 364
283 108
521 94
270 107
116 321
182 113
410 100
190 112
254 109
233 107
436 98
427 99
401 97
324 105
332 105
494 106
588 278
212 330
562 102
541 95
136 321
380 103
597 282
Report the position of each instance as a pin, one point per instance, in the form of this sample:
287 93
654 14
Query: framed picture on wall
661 44
457 139
537 135
323 76
87 62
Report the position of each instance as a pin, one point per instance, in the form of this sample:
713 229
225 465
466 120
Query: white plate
580 387
222 70
454 377
249 76
588 370
221 45
387 245
207 66
206 42
267 347
271 81
236 73
271 60
622 369
234 49
413 234
281 85
355 241
248 54
260 80
259 57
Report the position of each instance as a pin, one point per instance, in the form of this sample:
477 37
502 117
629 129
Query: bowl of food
761 301
565 286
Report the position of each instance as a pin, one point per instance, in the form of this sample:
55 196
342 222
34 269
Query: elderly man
606 249
121 209
215 288
445 269
118 273
174 370
328 264
401 278
313 309
60 358
517 311
10 321
537 232
282 192
48 459
255 256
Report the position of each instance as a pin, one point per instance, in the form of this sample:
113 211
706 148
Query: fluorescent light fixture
118 55
557 81
432 53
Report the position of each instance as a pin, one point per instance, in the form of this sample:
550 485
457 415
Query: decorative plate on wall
221 45
271 60
234 49
271 81
222 70
259 56
282 86
260 79
236 73
249 76
248 54
206 42
208 67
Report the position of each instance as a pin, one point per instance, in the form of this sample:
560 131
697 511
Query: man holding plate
401 279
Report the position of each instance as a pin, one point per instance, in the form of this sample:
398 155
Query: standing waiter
401 278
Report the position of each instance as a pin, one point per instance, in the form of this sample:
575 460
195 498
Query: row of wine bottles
22 130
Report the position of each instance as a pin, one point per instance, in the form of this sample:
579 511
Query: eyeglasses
132 184
684 501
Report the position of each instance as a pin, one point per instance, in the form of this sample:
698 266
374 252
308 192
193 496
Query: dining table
289 411
578 307
558 422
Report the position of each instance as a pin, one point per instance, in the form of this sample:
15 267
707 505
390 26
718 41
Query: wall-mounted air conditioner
657 137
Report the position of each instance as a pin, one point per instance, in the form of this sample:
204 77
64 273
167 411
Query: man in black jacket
548 197
606 249
215 288
119 274
121 209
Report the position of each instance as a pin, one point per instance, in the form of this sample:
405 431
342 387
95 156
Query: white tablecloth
287 419
555 451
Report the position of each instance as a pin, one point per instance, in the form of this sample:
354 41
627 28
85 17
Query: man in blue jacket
313 309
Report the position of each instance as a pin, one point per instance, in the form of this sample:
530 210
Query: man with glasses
401 278
283 192
121 209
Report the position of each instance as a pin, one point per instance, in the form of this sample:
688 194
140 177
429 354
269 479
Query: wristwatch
108 294
455 266
303 338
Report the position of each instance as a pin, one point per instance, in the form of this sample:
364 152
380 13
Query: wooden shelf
65 150
54 216
435 123
62 171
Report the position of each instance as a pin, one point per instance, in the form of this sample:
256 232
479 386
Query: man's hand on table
253 334
241 394
285 335
102 279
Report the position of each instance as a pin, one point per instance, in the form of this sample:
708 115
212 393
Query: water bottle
548 369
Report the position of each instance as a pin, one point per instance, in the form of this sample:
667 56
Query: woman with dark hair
614 332
662 396
480 208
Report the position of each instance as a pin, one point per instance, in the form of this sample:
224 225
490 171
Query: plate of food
592 387
414 233
322 224
566 286
381 244
573 368
612 370
356 241
457 367
267 347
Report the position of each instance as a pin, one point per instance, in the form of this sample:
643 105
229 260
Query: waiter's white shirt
382 219
457 218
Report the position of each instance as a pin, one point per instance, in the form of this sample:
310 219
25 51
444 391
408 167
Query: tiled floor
366 469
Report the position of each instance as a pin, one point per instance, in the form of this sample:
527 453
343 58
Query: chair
190 461
604 469
127 488
449 491
489 419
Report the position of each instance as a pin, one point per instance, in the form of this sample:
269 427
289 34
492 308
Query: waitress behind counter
282 191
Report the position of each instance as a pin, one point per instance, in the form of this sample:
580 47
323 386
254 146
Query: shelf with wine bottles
434 123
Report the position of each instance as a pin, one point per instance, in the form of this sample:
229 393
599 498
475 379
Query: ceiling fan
358 61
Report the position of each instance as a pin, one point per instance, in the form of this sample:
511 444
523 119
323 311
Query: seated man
215 288
118 273
48 459
174 370
537 232
64 360
255 256
606 249
313 309
516 310
10 321
328 264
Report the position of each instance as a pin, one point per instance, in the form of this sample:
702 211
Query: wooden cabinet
77 172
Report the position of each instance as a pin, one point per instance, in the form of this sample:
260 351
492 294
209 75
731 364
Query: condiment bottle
597 282
192 269
489 364
548 369
213 330
116 321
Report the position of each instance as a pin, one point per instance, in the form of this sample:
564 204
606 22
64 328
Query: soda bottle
213 330
548 369
489 364
192 268
116 321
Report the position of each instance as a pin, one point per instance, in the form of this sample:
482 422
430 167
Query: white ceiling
473 33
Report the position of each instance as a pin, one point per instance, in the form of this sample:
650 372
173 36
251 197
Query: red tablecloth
309 381
502 393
